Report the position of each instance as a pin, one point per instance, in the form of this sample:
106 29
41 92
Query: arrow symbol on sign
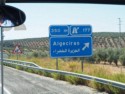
86 46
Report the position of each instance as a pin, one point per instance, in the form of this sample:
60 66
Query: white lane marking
7 91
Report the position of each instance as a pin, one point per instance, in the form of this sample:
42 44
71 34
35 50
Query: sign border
71 56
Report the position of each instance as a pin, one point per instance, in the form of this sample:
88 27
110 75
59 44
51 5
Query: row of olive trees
109 55
40 54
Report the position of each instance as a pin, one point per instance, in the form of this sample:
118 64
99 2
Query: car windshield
65 49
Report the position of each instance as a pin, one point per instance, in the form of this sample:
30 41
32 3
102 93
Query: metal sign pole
82 65
2 82
56 63
17 56
2 2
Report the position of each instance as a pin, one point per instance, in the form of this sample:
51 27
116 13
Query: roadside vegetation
107 61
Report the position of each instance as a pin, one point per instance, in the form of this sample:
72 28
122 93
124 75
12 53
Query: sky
39 16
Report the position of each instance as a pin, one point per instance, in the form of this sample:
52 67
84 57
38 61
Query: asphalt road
20 82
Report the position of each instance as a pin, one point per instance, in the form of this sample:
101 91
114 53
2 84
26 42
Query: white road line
5 90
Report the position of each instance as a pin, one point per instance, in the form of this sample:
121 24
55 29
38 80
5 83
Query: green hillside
100 40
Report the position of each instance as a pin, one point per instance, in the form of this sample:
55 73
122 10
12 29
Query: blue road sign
81 30
70 46
58 30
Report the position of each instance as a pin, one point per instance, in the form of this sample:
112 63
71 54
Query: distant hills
100 40
108 39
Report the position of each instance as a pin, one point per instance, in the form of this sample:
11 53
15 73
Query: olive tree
110 55
122 59
116 54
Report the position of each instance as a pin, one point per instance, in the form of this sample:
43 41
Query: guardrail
82 76
20 62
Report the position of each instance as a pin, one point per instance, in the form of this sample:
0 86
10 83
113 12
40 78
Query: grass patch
76 81
58 76
19 67
73 66
47 74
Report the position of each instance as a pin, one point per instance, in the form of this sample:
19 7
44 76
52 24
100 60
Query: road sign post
70 41
2 76
56 63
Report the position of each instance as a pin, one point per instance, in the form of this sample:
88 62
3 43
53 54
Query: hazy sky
39 16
